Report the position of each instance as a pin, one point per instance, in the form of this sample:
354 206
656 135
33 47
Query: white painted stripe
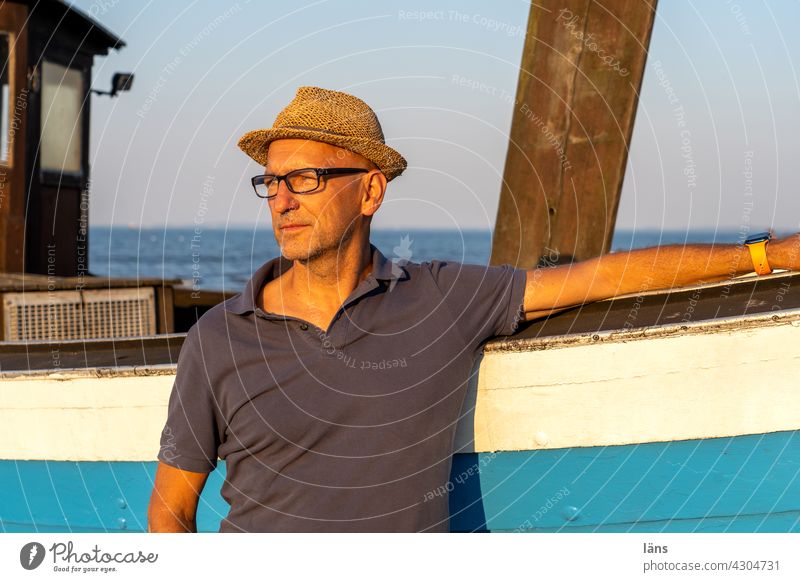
76 418
669 387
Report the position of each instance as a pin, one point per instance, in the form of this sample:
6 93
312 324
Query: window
5 95
62 128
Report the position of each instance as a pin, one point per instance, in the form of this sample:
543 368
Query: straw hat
331 117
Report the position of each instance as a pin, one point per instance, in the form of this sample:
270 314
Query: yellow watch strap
758 252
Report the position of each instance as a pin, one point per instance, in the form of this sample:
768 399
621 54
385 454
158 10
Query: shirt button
304 326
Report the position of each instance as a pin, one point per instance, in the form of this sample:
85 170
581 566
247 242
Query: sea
225 258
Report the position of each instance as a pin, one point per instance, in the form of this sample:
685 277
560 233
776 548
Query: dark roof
63 16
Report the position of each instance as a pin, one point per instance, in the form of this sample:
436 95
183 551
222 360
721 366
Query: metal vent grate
95 313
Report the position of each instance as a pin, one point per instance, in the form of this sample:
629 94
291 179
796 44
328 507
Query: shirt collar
382 270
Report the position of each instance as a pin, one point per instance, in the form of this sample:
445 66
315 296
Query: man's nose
284 200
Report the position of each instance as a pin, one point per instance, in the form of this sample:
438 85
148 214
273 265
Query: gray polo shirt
345 429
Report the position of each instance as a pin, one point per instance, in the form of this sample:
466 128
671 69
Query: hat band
317 129
312 129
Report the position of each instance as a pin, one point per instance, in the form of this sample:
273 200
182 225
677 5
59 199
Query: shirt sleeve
191 435
484 301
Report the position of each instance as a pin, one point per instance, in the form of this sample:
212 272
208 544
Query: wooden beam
581 71
13 18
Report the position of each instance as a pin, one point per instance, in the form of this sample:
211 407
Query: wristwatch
757 244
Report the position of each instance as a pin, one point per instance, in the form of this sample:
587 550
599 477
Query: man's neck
324 282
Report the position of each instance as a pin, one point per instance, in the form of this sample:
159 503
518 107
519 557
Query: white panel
83 418
680 387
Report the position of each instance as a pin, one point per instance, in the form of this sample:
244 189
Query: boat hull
685 421
747 483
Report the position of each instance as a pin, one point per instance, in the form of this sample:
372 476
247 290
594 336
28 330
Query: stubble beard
316 246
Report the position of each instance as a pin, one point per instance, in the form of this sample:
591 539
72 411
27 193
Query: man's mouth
292 227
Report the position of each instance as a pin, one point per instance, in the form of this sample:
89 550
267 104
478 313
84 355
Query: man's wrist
757 246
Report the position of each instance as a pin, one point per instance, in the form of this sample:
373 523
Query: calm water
225 258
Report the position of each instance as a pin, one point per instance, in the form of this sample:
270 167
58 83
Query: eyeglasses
302 181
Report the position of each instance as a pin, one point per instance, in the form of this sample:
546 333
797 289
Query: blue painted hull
740 484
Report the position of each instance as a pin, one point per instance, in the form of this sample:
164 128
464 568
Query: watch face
757 238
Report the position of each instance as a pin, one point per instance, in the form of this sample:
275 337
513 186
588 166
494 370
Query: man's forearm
552 289
668 266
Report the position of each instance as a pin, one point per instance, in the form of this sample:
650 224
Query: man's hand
173 503
784 253
553 289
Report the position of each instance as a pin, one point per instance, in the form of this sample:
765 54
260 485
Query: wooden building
47 49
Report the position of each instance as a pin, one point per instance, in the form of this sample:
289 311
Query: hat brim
256 145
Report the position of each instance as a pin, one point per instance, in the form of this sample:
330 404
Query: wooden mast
582 67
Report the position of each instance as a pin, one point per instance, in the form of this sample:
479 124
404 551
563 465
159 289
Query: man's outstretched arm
552 289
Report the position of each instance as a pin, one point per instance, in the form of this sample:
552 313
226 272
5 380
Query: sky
207 72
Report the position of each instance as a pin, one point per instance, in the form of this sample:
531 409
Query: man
332 386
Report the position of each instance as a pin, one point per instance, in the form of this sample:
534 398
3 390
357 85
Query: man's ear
373 194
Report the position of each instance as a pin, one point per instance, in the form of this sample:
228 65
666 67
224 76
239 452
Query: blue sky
208 71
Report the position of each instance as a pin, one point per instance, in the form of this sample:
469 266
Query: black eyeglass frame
319 172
